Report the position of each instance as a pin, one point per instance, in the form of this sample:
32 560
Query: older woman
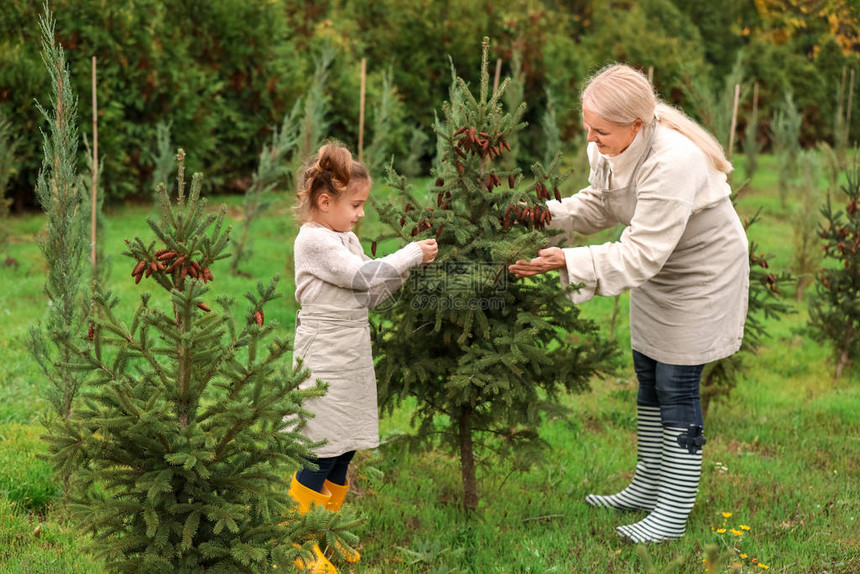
683 256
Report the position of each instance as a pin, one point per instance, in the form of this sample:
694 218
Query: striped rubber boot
641 494
680 470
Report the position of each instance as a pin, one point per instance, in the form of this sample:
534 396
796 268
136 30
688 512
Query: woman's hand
547 260
429 249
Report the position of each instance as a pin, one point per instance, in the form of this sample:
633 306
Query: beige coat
335 285
683 254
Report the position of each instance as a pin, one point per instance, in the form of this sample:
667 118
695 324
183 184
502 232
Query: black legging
332 469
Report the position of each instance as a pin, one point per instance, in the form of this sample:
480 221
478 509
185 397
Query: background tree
250 60
411 166
805 222
65 243
551 136
314 123
484 356
272 170
183 439
751 146
387 118
834 310
8 143
786 144
163 158
221 86
713 101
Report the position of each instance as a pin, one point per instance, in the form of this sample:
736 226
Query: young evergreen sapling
183 446
272 170
485 356
64 247
834 309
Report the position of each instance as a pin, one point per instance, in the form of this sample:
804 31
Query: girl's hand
548 259
429 249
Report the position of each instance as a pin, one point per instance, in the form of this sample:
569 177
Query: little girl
335 285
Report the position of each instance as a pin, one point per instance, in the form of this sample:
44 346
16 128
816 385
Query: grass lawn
783 453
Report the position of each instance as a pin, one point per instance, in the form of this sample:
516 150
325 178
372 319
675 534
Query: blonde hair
330 171
622 95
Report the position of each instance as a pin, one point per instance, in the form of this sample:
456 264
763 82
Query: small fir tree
786 142
752 147
842 117
484 356
272 170
8 144
805 221
551 133
714 104
64 247
387 116
834 310
182 446
832 168
314 124
411 166
721 377
163 158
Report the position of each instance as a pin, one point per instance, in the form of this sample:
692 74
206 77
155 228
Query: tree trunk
843 361
467 460
615 305
801 284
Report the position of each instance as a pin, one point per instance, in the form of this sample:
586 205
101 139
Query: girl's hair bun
329 171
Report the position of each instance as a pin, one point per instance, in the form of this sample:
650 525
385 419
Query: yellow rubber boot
307 497
338 494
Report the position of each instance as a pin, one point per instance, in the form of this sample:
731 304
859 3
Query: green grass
783 453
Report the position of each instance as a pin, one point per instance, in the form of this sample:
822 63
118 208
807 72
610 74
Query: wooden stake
498 75
734 119
361 110
95 168
755 100
849 105
754 110
651 75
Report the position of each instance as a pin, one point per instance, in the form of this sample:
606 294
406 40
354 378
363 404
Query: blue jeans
332 469
674 389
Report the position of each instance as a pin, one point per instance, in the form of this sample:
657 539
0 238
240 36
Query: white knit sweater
333 270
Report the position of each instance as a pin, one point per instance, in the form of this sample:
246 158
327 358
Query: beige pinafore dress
334 343
693 310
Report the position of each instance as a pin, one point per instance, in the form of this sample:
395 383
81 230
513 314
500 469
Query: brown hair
622 95
329 171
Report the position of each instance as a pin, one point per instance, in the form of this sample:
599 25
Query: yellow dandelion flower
743 555
744 527
764 566
721 530
736 532
726 514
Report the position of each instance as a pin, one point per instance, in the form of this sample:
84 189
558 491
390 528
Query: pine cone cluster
172 264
